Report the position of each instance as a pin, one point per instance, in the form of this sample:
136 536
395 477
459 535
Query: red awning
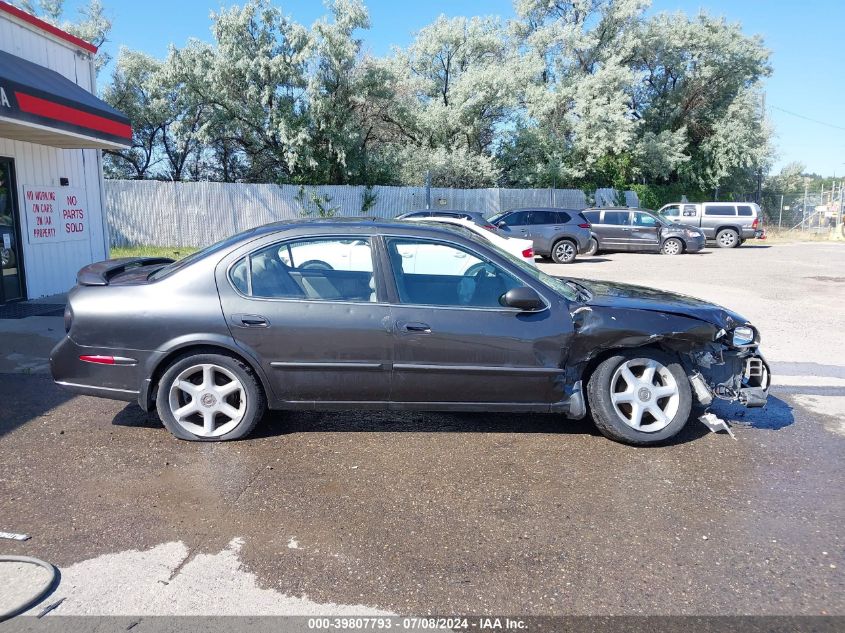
39 105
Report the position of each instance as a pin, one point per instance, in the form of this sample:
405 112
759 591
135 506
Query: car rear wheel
639 397
564 252
593 248
672 246
727 238
209 397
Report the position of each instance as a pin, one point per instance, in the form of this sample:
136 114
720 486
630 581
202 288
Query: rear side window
744 209
328 269
544 217
690 211
719 209
592 216
617 218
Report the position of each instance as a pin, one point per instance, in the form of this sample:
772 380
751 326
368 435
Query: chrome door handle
250 320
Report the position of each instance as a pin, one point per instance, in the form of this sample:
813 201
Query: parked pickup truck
729 224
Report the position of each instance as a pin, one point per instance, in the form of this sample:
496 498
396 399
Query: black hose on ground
42 591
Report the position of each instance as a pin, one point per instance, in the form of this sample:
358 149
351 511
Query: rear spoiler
100 273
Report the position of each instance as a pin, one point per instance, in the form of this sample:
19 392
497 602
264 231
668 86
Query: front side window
328 269
519 218
438 274
719 209
671 212
644 219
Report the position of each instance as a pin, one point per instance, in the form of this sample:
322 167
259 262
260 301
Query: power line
806 118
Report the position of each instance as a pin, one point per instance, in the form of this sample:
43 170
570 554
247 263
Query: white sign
55 214
7 241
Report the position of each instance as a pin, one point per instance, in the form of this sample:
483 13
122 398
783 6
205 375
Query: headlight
692 233
743 335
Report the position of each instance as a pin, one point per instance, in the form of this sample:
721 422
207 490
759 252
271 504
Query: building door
11 255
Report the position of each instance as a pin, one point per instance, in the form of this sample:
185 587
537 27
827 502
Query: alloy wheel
207 400
564 251
644 394
727 239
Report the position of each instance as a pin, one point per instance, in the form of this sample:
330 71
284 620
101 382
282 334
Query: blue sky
805 38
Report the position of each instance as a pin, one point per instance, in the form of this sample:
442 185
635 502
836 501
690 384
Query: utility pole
428 189
780 212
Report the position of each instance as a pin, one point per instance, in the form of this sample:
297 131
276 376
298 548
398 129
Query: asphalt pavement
416 513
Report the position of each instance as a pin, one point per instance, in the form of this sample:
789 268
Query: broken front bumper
738 375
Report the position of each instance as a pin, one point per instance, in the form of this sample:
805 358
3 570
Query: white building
52 131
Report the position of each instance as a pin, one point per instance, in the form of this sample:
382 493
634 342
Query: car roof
568 210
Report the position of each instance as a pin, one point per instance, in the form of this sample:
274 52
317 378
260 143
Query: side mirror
502 224
522 298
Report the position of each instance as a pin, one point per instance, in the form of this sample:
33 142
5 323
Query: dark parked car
212 340
623 229
472 216
557 233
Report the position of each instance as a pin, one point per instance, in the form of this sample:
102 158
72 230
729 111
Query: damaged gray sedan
378 314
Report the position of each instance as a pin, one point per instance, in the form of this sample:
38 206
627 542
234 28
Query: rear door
616 229
310 310
545 225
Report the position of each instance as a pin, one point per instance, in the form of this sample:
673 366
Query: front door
11 255
644 233
309 310
455 342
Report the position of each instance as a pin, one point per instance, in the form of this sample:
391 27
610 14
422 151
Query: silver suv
557 233
729 224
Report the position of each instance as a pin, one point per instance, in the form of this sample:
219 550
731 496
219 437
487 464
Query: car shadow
776 415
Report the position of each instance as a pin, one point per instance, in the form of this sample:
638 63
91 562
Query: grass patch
173 252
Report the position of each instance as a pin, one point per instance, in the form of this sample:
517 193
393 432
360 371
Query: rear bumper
119 381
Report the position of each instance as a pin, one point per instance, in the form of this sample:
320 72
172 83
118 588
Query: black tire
253 393
727 238
611 424
672 246
316 264
564 251
593 248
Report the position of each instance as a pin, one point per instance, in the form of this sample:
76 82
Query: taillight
528 252
585 225
489 227
755 223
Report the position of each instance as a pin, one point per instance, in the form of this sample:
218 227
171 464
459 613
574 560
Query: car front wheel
209 397
639 397
672 246
564 252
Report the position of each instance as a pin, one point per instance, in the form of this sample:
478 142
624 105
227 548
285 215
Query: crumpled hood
617 295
